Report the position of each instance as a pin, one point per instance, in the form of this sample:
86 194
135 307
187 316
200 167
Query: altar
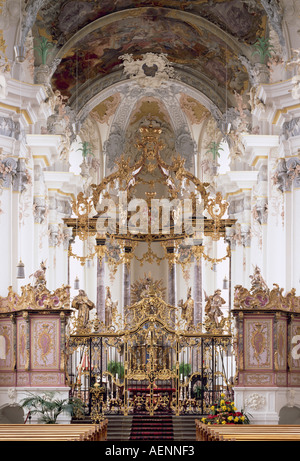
141 396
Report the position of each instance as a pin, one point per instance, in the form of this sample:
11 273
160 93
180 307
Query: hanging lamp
20 270
76 283
20 53
225 283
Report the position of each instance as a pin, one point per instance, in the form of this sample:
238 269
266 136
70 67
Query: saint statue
187 308
110 308
213 306
82 303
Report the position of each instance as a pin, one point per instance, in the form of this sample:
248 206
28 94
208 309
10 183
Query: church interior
149 232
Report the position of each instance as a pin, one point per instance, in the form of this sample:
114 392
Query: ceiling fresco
98 53
243 19
209 44
156 26
149 108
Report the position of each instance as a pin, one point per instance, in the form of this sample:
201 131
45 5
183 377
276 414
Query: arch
97 91
184 16
131 94
208 52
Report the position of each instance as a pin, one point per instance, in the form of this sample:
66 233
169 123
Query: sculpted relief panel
22 344
281 356
295 331
6 330
258 343
45 344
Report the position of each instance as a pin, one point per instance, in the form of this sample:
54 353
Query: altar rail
212 369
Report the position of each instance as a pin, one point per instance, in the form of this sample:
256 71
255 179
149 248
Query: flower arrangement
225 412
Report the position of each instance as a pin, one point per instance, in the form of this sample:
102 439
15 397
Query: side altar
267 349
33 329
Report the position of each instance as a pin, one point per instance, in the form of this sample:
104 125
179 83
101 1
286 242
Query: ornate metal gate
152 361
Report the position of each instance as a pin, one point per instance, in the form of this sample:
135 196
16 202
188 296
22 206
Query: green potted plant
42 71
116 368
85 149
86 152
214 149
185 369
48 407
263 48
43 49
197 391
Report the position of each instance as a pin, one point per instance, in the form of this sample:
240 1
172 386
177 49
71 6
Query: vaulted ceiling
205 38
206 42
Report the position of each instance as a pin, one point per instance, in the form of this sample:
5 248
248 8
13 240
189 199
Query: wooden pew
215 433
246 432
55 432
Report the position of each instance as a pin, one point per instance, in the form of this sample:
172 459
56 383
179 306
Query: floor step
158 427
184 427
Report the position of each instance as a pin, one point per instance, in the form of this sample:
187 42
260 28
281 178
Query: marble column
126 288
101 289
172 297
127 278
296 243
197 292
172 285
261 225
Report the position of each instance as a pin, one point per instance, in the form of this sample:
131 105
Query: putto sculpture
36 295
260 296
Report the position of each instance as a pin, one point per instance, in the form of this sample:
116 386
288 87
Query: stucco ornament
3 87
296 87
12 395
150 71
295 63
113 146
255 402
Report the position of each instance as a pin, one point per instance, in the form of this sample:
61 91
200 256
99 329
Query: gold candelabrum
117 242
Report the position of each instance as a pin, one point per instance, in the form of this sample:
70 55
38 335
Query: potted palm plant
214 149
47 407
86 152
43 48
263 48
116 368
185 369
